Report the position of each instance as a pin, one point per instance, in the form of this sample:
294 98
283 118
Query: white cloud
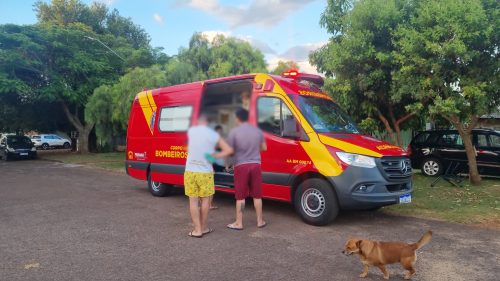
262 46
298 54
210 34
157 18
265 13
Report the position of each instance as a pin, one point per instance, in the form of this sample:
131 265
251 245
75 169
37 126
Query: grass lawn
467 204
113 161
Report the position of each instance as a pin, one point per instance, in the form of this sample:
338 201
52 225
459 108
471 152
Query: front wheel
316 202
159 189
432 167
45 146
66 145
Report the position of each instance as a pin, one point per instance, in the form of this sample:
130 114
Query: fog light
364 188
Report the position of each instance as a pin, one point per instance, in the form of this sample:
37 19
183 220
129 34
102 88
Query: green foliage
359 58
109 106
449 54
223 56
284 66
72 50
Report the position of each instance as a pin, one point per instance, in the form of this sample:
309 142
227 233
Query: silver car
46 141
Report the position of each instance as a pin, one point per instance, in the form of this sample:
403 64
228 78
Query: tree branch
404 118
72 118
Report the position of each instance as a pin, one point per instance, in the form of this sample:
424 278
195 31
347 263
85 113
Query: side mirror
293 130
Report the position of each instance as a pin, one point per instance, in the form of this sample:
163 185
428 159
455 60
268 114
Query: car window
421 138
275 117
35 137
482 140
495 140
451 139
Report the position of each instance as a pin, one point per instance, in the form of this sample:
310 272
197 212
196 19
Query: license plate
405 198
23 154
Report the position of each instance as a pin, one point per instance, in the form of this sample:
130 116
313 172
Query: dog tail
424 240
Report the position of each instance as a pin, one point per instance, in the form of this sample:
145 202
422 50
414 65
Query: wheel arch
298 179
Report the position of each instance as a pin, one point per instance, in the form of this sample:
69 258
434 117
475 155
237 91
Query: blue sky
281 29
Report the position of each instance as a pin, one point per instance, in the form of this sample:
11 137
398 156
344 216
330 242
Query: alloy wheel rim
155 186
431 168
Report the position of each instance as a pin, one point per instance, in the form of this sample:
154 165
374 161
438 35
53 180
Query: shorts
248 181
198 184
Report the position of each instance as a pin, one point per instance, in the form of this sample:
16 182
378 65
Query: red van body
316 157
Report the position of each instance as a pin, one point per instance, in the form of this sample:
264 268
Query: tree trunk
388 127
470 150
83 130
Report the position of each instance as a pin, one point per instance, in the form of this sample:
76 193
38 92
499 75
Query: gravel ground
68 222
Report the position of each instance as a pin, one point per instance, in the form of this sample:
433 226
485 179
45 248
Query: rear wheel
45 146
432 167
159 189
66 145
316 202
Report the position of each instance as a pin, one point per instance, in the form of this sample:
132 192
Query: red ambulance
316 158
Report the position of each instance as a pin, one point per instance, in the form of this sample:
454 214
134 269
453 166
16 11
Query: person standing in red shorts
247 142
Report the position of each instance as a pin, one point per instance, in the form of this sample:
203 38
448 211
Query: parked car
432 151
46 141
12 146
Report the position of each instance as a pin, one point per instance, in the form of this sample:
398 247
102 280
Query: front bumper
366 188
18 153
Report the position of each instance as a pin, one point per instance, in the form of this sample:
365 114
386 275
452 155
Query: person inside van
199 173
219 163
247 142
245 100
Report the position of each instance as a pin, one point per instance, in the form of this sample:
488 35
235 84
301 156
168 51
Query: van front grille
395 168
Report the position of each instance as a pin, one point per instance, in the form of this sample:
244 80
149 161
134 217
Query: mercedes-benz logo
404 167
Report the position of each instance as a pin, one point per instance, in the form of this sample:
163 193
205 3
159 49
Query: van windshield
325 116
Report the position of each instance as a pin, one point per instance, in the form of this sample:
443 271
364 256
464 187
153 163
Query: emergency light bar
294 74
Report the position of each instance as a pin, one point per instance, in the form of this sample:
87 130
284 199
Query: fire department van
316 157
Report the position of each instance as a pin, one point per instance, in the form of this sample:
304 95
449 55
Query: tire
45 146
316 202
159 189
66 145
431 167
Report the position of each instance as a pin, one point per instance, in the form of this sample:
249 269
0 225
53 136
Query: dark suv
12 146
432 151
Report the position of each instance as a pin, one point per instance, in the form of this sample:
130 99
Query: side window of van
273 116
175 119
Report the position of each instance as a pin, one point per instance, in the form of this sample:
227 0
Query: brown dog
377 253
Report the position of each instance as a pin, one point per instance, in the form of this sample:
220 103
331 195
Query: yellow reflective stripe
348 147
314 148
146 108
151 100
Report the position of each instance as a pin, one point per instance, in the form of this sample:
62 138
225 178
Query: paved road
64 222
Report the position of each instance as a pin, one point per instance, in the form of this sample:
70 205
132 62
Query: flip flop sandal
194 236
232 227
210 230
262 225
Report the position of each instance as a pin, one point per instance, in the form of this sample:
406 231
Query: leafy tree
109 106
284 66
74 49
359 57
222 57
449 53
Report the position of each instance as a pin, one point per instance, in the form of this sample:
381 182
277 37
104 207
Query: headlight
356 159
